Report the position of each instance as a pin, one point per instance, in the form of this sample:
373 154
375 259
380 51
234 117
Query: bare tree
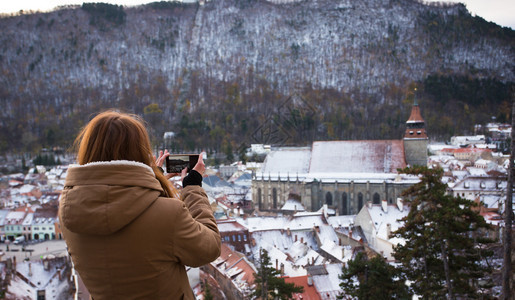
508 218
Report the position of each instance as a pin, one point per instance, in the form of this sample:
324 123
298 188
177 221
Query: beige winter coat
128 242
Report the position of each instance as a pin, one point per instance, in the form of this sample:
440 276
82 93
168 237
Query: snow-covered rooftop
477 171
287 161
480 184
15 216
341 221
293 205
328 284
381 219
225 226
379 156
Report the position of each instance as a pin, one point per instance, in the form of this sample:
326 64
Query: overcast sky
501 12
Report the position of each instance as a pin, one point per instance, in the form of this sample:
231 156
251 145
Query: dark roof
317 270
211 180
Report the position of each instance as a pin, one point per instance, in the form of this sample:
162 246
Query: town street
39 250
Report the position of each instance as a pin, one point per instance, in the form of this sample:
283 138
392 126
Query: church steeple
415 126
415 137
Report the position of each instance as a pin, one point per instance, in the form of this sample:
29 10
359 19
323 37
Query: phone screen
177 162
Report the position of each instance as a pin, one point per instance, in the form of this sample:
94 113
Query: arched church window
260 200
329 199
360 201
274 197
344 210
377 199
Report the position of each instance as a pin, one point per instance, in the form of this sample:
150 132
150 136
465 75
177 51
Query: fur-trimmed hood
101 198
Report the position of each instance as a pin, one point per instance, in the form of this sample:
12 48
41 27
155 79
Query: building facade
346 196
344 175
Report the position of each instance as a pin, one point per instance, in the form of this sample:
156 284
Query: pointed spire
415 116
415 126
415 102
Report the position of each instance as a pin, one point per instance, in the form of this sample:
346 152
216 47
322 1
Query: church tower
415 138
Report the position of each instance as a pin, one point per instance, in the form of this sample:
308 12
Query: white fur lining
113 163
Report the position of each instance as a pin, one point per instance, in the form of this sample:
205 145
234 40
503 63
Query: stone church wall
345 197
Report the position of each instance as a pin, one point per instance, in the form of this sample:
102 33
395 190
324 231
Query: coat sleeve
196 240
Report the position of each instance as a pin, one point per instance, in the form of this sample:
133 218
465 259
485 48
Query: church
344 175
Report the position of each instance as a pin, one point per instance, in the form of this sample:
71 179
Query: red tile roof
233 259
415 116
310 292
465 150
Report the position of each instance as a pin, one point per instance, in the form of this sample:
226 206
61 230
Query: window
260 202
245 237
44 228
376 198
329 199
239 238
344 204
274 197
360 201
36 228
234 238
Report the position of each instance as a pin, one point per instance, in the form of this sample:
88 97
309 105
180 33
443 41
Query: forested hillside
234 72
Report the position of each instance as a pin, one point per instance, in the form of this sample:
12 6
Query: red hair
113 135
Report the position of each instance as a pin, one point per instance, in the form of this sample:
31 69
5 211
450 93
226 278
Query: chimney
369 204
384 204
288 232
388 230
295 238
339 241
277 264
313 260
302 239
282 269
310 280
400 204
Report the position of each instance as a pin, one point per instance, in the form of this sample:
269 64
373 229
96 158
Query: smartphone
177 162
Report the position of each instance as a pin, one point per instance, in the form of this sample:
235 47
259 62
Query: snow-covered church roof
368 156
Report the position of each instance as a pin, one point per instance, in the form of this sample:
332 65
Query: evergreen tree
38 160
207 292
24 164
268 284
228 152
444 251
372 279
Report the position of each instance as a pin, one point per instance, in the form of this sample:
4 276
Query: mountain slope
217 72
